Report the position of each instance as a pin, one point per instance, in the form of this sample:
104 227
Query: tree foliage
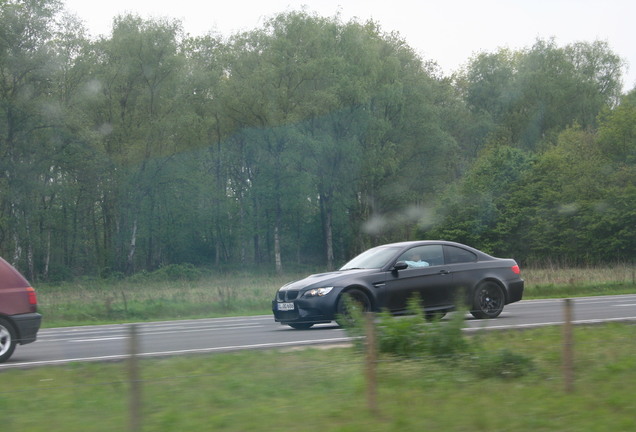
300 142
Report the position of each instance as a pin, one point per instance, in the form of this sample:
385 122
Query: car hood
336 278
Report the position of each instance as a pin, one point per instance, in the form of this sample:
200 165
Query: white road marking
150 332
554 323
98 339
187 351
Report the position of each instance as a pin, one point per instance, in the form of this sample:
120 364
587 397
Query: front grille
284 296
287 315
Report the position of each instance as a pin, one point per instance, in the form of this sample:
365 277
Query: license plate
285 306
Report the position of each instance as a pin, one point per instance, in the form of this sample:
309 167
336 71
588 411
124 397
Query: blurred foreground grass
187 293
324 390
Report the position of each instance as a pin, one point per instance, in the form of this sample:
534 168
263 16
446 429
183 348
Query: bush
178 272
171 272
401 336
414 335
58 274
110 274
446 339
501 364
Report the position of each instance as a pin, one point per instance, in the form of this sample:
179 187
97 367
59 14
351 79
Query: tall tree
531 95
27 122
138 116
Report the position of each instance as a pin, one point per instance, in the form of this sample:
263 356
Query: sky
448 32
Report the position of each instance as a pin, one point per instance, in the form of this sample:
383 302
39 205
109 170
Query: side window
455 255
423 256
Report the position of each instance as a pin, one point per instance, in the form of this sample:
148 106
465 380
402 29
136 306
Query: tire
301 326
350 304
488 300
8 340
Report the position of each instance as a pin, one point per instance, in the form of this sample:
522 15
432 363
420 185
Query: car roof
425 242
408 244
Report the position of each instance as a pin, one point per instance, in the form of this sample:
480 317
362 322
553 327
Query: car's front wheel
351 303
7 340
488 300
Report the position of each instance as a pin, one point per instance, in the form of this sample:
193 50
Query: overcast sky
446 31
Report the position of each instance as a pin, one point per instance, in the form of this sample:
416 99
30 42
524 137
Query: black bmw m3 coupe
386 277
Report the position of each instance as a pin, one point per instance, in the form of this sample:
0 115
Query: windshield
373 258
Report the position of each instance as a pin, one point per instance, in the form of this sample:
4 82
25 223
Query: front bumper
314 310
27 326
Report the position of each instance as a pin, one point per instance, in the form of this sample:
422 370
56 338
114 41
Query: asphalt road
111 342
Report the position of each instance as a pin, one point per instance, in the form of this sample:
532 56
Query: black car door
466 272
427 278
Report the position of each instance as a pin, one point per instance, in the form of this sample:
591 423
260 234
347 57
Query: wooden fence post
134 402
371 362
568 347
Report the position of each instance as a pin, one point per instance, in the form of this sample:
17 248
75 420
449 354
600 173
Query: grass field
182 294
325 390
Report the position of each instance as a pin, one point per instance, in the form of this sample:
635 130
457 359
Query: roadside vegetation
324 390
148 147
428 375
180 292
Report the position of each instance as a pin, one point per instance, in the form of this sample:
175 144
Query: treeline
301 142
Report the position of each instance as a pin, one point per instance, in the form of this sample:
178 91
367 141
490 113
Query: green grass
324 390
98 301
555 282
184 293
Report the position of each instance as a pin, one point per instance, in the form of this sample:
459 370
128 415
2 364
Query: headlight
318 292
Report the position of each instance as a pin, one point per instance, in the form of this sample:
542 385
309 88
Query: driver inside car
415 261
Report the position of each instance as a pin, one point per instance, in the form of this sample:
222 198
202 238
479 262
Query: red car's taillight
516 269
33 299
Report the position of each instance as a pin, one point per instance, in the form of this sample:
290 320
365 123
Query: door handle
444 272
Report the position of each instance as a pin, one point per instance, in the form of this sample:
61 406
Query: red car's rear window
10 277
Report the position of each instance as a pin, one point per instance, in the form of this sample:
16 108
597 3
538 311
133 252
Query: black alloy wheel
351 304
488 301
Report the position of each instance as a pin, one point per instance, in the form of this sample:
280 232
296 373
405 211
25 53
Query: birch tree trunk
131 251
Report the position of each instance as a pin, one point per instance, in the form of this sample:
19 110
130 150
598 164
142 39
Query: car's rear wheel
300 326
7 340
351 304
488 301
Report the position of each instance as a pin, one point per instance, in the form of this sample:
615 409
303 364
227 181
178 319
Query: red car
19 319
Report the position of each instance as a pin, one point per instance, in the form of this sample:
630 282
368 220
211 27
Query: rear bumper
515 291
27 326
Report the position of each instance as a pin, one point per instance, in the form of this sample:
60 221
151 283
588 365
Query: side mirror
400 265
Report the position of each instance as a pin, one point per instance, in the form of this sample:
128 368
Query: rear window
10 278
456 255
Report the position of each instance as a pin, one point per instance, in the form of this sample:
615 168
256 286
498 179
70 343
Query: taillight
33 299
516 269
